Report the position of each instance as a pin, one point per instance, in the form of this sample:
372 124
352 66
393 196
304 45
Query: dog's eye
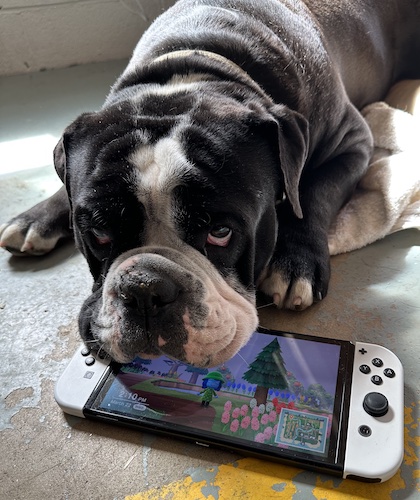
219 236
101 237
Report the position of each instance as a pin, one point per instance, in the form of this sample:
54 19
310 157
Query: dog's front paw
38 230
287 293
23 237
298 274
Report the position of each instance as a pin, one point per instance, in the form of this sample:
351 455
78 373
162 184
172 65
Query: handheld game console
352 427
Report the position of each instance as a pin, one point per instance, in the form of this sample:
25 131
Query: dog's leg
37 231
299 271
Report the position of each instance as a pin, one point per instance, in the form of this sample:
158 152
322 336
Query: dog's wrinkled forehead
157 109
159 167
157 170
176 142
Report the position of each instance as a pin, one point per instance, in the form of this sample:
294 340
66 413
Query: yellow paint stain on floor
249 479
411 440
351 489
178 490
325 490
412 443
416 478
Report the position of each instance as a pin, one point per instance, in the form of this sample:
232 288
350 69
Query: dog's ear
289 131
60 158
62 147
293 142
61 154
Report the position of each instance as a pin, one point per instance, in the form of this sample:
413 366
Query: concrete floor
374 297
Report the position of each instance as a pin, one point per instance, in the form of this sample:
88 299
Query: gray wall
43 34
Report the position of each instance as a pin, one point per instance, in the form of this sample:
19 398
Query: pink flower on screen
225 417
268 432
245 422
228 406
255 424
236 413
264 419
234 426
259 438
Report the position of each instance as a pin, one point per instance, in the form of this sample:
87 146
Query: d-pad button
85 351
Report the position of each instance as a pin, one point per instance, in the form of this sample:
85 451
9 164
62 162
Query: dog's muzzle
163 301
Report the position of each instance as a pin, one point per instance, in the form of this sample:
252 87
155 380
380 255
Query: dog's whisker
266 305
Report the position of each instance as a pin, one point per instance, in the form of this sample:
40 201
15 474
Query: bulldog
216 166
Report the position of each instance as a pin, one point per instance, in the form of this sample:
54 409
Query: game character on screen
212 382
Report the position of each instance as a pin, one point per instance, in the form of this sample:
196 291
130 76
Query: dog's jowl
217 165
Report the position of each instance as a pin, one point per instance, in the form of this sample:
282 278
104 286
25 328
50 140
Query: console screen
280 393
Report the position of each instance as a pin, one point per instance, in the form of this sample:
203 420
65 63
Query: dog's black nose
148 293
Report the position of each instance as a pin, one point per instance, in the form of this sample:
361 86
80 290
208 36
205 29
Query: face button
364 369
389 372
377 362
376 379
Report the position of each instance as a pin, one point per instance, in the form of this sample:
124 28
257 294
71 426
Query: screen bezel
333 461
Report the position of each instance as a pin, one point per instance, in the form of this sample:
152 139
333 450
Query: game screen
278 391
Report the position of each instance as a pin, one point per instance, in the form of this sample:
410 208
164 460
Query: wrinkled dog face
168 226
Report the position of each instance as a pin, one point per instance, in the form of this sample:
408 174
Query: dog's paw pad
21 241
296 296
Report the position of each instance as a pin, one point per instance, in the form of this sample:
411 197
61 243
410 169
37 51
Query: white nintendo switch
326 405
